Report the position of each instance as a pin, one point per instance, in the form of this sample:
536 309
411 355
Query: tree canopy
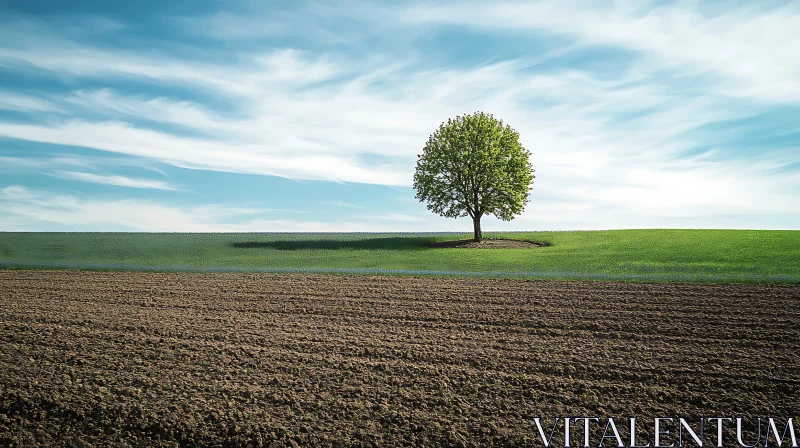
474 166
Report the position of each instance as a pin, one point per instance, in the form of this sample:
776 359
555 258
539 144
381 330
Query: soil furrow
134 359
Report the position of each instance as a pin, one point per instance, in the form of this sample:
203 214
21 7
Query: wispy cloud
25 103
751 46
22 208
43 163
116 180
343 204
646 133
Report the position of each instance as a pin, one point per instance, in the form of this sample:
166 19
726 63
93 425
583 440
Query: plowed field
324 360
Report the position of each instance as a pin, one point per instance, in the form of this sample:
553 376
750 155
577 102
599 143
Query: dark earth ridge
147 359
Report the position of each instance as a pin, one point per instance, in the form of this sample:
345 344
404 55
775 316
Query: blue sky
308 116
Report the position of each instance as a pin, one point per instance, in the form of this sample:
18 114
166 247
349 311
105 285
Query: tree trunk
476 223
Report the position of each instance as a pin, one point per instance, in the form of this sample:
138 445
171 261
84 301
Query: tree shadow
391 243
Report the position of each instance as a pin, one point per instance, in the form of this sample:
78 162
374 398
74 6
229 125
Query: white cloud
604 148
322 132
16 163
120 181
343 204
25 103
243 74
203 154
753 49
54 163
22 208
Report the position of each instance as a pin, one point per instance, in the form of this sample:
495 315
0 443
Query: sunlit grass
683 255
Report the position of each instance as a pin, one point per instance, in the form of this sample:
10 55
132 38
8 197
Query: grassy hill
660 255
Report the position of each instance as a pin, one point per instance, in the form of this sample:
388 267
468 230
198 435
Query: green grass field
660 255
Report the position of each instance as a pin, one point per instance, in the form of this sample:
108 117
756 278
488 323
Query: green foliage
474 166
653 255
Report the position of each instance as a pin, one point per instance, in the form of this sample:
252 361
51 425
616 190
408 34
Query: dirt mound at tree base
489 243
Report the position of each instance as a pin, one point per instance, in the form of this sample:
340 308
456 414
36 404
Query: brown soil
489 243
133 359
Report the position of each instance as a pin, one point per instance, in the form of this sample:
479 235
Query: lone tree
473 166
